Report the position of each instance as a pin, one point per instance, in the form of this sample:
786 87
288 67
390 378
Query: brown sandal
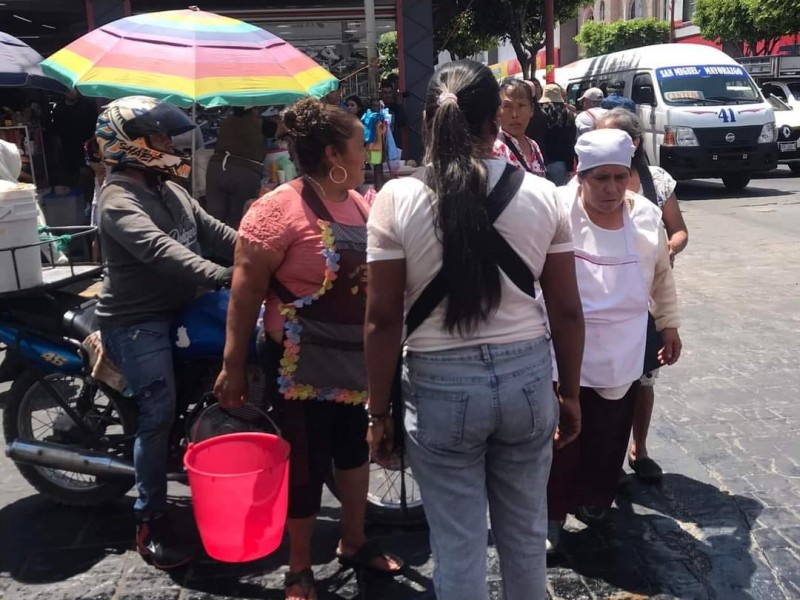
304 579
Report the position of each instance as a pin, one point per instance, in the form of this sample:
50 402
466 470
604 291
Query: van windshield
706 84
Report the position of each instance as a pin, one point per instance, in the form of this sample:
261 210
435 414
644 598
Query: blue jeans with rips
479 427
143 353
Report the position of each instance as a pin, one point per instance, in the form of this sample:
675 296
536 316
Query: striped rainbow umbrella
188 56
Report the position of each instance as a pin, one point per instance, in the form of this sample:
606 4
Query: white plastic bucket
18 227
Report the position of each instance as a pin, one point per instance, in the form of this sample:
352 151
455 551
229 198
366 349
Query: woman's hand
671 352
569 422
380 437
230 389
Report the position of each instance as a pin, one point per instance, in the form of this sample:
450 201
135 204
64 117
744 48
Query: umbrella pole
194 149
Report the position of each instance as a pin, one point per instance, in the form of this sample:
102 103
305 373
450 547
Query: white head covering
10 162
604 147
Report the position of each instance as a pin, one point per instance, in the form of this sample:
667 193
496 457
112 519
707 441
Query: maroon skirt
586 472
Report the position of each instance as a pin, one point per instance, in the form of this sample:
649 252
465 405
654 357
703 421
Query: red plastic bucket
240 493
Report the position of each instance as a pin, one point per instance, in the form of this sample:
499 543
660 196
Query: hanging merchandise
375 126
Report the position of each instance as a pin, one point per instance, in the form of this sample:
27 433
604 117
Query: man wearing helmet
153 235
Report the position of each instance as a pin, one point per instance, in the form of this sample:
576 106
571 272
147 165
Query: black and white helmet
124 129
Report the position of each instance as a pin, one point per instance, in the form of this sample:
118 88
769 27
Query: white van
703 115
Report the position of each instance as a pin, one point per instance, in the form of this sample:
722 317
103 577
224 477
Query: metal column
415 50
101 12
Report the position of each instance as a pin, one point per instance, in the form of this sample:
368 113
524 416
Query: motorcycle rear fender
47 354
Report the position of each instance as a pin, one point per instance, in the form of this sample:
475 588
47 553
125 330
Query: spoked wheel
35 411
385 493
384 499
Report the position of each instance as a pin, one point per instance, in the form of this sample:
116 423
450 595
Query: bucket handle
218 406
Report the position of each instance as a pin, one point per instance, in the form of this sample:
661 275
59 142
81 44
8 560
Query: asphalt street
724 524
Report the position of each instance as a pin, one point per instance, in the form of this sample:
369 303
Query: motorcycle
71 435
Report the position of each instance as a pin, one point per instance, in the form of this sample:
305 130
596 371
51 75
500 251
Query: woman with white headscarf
623 267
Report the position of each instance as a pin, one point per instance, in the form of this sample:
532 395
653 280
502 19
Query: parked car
787 130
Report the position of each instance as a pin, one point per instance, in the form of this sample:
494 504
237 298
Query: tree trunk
523 58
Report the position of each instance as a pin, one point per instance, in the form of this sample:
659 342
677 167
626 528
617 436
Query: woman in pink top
303 248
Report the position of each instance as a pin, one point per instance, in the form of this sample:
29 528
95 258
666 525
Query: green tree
750 26
387 54
461 37
521 23
602 38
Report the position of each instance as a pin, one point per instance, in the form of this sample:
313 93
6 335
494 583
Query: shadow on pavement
263 579
43 542
683 538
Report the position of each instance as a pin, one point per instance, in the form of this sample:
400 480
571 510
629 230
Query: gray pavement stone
724 524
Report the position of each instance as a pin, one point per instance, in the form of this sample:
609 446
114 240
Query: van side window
770 89
643 90
575 91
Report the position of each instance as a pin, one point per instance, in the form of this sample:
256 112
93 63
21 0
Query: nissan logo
730 137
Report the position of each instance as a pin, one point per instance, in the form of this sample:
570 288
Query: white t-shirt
401 226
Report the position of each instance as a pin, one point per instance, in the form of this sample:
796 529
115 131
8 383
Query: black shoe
155 541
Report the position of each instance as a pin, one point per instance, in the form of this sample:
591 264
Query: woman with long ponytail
453 253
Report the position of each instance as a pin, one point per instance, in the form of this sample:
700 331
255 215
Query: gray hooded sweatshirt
152 243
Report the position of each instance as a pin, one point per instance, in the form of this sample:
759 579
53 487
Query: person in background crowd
512 144
537 126
306 242
616 98
655 184
94 160
354 105
487 342
560 134
333 98
73 121
572 109
236 169
396 109
153 235
623 267
590 103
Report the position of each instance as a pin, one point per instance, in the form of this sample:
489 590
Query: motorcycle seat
80 322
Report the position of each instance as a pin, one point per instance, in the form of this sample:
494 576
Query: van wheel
795 167
736 182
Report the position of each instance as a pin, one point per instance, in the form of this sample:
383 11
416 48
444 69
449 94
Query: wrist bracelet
381 417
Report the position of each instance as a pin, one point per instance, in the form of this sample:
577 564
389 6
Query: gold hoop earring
339 181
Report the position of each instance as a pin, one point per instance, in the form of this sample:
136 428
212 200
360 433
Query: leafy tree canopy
751 26
520 22
387 54
602 38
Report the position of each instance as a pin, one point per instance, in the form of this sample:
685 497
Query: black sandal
366 554
646 469
304 579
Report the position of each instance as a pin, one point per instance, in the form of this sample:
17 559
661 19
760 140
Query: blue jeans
143 353
480 424
557 172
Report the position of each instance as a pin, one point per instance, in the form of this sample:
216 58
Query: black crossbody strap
506 258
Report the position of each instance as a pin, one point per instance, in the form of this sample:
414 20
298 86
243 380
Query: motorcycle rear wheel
32 412
384 498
